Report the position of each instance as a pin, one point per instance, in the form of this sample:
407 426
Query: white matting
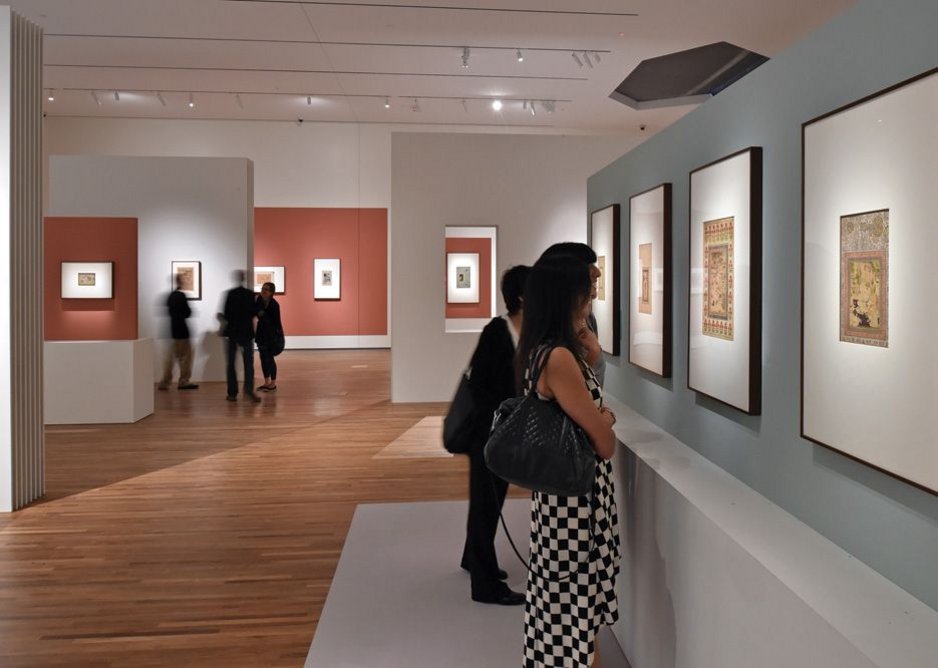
399 598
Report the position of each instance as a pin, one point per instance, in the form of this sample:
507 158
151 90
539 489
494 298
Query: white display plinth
98 382
714 574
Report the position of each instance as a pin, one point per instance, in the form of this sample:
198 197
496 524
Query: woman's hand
590 342
608 415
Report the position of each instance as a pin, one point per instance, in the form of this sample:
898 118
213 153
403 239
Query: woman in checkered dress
574 539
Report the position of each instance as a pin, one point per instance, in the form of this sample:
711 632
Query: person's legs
268 367
232 347
168 367
486 495
596 661
184 353
247 355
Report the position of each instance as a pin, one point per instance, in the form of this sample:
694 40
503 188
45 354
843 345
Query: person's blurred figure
239 315
181 349
269 337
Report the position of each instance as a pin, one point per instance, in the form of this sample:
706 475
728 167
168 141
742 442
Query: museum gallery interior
757 180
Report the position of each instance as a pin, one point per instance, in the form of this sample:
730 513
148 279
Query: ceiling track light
519 55
465 57
117 96
97 100
51 96
596 57
309 100
587 60
238 101
465 106
576 58
524 105
497 105
533 111
159 96
387 103
416 106
191 101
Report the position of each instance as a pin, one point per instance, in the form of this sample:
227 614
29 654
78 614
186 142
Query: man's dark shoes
502 575
505 597
231 397
189 386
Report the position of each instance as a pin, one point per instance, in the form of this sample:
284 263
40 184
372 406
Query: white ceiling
349 58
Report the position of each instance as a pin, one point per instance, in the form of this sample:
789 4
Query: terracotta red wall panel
293 237
91 240
484 248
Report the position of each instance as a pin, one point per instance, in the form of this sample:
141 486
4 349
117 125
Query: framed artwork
650 290
190 273
275 275
725 281
87 280
868 351
462 278
327 279
604 240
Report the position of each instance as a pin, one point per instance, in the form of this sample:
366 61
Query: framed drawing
190 274
87 280
462 278
650 316
327 279
867 332
275 275
725 282
604 240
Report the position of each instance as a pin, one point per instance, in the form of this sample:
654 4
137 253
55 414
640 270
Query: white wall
533 188
188 209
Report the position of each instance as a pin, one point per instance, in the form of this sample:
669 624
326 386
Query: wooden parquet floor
207 534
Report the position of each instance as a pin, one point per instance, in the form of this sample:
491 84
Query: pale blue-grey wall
888 524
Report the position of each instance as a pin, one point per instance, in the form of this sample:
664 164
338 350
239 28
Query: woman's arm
562 380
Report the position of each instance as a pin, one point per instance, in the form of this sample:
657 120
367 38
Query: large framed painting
604 233
275 275
462 278
725 318
87 280
649 296
868 354
327 279
189 274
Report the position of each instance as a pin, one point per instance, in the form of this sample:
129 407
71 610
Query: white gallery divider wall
22 474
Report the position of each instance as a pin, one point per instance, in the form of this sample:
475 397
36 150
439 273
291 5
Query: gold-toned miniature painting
864 278
718 278
601 281
644 263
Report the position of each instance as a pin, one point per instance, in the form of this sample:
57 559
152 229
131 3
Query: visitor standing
269 337
238 314
181 349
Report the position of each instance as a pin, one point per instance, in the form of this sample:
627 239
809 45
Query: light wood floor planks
208 534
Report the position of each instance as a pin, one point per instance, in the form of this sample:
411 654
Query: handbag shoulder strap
538 362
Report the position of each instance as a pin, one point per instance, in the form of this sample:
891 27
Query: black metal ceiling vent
686 77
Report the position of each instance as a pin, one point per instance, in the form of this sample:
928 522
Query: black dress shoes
505 597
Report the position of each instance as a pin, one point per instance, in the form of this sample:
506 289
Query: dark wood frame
113 272
755 277
327 299
616 264
667 325
804 126
172 276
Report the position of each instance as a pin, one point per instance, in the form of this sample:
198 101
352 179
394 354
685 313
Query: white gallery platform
98 382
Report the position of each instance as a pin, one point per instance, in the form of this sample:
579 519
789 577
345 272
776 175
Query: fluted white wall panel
21 433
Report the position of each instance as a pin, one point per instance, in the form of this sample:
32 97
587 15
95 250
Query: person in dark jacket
492 380
269 335
181 350
238 316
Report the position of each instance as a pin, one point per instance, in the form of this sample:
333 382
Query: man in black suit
179 312
239 314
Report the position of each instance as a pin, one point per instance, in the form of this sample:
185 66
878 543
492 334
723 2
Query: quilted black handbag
535 445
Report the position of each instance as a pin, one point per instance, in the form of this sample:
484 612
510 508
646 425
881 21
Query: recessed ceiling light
497 105
387 103
191 101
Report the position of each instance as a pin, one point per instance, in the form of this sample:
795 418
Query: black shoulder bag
535 445
459 424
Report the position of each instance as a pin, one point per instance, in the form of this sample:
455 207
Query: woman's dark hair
513 287
556 287
270 286
581 252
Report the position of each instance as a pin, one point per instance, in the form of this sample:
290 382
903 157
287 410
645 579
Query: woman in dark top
269 335
492 380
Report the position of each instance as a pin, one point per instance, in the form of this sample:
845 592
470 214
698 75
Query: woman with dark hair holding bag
491 380
574 539
269 336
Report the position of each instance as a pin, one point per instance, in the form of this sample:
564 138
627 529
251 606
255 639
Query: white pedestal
98 382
